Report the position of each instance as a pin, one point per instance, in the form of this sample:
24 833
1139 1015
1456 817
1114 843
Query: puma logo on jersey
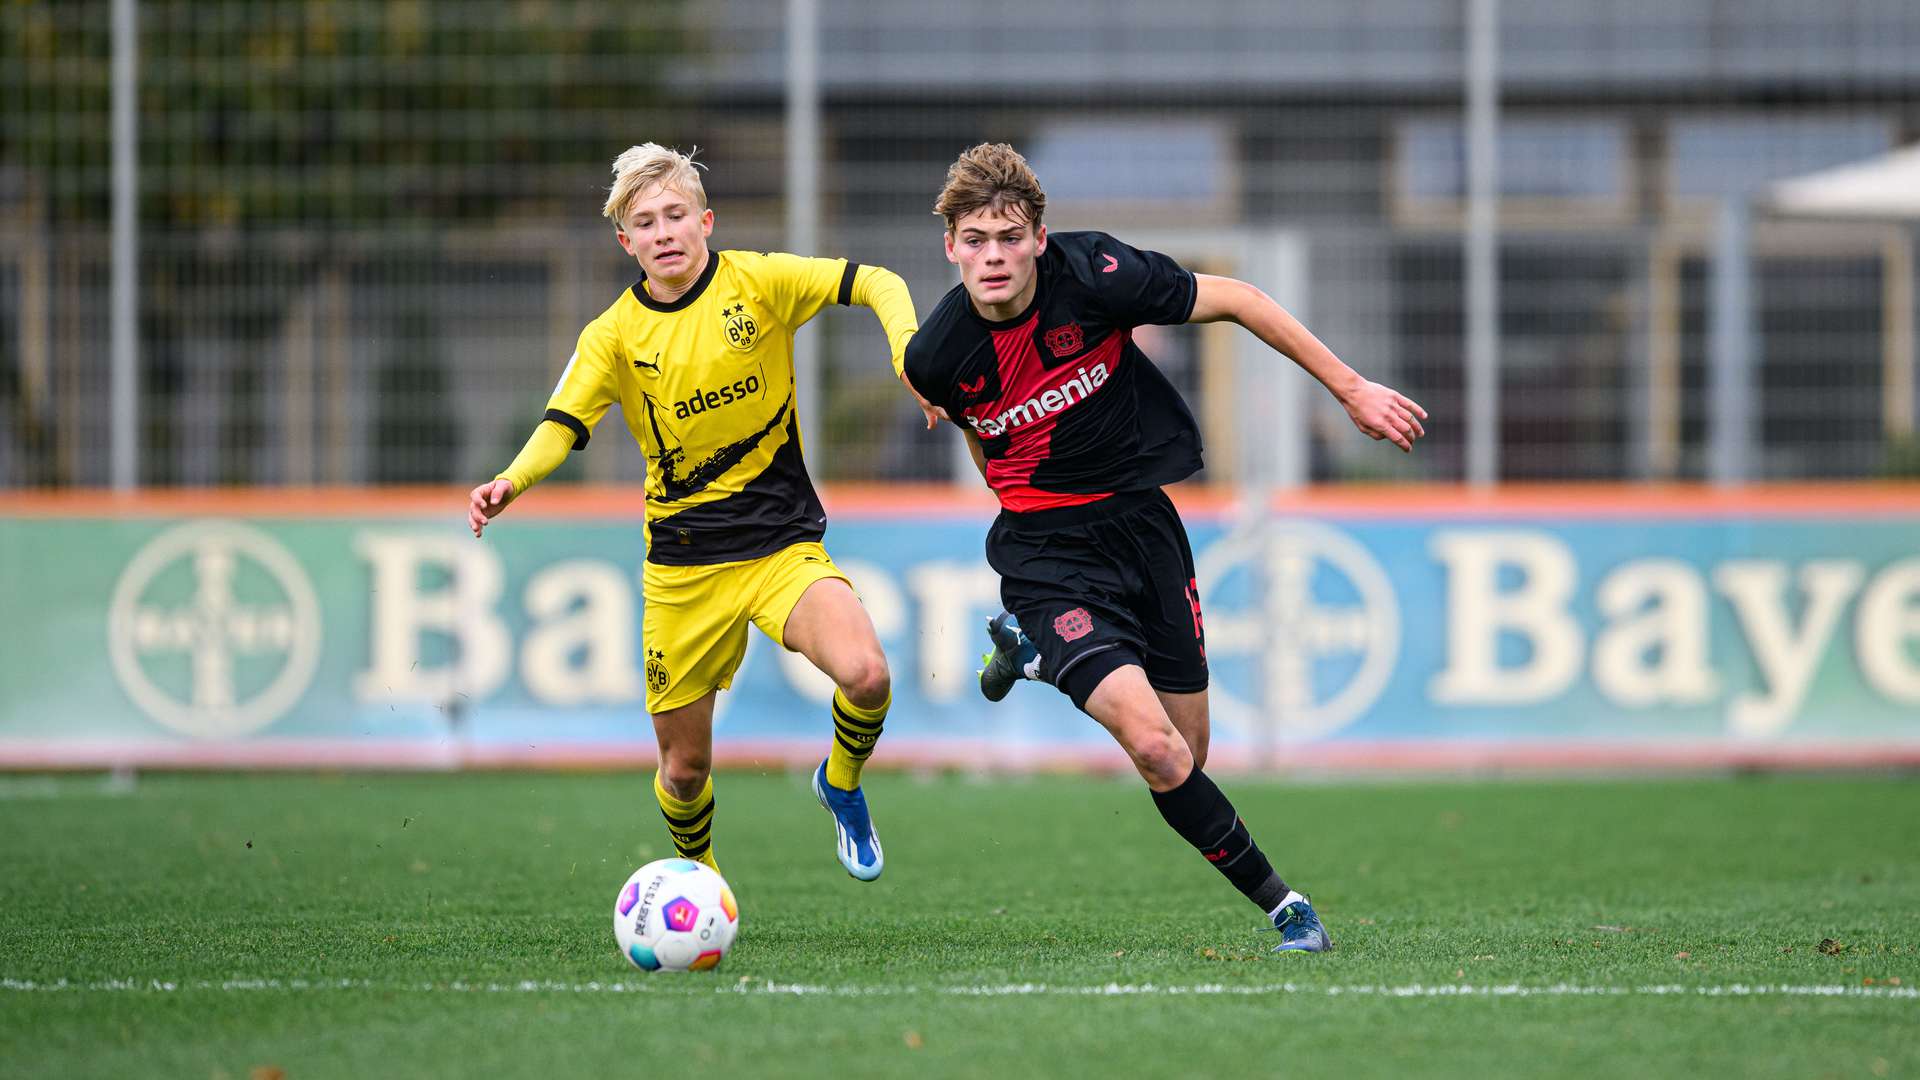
655 366
1044 404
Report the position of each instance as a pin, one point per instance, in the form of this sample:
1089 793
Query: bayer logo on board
214 629
1303 628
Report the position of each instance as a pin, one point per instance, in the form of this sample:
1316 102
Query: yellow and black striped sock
689 821
855 730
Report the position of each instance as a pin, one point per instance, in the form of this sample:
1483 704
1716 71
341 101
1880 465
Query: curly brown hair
991 175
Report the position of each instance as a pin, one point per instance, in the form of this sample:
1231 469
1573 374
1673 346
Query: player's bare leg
831 629
1126 705
1138 718
1190 718
684 783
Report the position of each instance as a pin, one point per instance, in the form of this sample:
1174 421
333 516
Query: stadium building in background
369 231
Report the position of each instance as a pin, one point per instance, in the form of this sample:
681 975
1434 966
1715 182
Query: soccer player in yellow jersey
699 356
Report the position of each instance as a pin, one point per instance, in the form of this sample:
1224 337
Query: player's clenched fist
1384 413
486 501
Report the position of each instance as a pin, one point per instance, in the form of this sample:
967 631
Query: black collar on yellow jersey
647 301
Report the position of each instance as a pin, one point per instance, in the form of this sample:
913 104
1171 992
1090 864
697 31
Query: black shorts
1086 581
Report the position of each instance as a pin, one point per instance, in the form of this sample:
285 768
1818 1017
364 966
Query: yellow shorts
694 622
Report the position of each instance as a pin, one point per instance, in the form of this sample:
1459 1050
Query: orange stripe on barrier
875 500
1609 500
922 754
969 754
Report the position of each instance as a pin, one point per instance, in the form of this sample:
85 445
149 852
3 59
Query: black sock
1203 817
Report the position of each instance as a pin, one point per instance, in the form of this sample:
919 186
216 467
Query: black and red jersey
1066 406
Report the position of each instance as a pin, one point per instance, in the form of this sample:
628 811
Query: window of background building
1554 171
1154 171
1713 155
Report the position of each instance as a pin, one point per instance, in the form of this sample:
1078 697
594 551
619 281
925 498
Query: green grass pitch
377 925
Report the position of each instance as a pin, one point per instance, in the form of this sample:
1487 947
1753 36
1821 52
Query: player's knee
869 683
1161 755
683 775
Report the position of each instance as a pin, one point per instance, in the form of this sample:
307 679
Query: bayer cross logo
1319 626
214 629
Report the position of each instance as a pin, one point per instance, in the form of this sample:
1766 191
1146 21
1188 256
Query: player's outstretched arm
1379 411
485 502
881 290
544 452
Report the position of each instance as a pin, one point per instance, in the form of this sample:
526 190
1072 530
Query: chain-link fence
370 232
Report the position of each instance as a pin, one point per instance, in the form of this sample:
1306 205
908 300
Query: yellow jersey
706 385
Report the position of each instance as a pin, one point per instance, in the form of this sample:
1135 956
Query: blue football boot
1300 929
1012 658
856 842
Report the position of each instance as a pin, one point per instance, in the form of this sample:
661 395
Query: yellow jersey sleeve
544 452
590 384
798 287
881 290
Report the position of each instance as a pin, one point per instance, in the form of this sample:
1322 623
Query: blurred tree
331 111
282 138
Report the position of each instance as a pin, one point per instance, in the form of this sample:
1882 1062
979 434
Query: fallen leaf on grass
913 1040
1831 947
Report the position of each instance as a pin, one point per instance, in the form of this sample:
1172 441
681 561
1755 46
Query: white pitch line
660 984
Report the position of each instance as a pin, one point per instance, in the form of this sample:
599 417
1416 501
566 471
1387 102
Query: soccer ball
675 915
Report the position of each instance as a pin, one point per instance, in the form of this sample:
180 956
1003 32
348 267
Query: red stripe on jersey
1023 499
1032 400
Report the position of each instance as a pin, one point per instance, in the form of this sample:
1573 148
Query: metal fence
369 230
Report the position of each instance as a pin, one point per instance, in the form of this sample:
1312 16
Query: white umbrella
1882 188
1887 186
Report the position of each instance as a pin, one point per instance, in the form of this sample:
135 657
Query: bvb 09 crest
741 327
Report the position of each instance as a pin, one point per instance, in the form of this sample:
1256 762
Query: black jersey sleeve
1130 287
929 374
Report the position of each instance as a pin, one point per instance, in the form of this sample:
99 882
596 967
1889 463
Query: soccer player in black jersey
1075 430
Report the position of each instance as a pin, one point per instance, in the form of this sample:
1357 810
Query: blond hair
642 168
991 175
